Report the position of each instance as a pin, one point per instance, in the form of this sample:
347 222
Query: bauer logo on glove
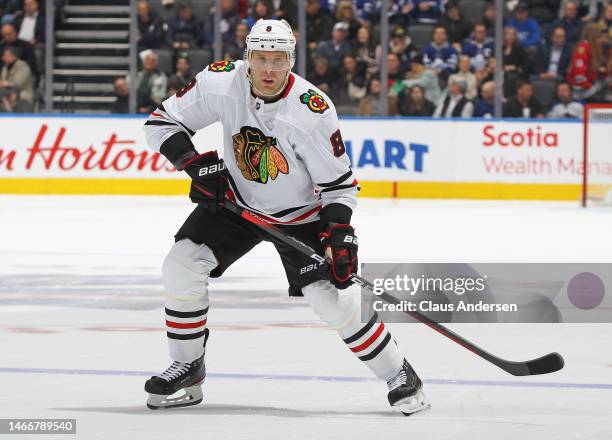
212 169
340 245
208 180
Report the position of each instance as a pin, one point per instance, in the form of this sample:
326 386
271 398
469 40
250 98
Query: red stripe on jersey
186 325
289 85
370 340
157 114
297 219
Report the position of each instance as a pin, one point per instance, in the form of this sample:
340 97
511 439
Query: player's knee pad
186 270
337 308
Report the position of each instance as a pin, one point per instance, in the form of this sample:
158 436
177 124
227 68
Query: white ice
81 327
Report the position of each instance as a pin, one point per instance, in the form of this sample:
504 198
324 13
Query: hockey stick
546 364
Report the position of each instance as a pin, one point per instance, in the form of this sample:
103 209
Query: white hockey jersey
286 159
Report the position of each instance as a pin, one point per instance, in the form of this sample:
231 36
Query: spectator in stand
122 92
457 27
352 82
186 29
488 18
479 48
370 104
16 82
485 107
527 28
428 11
543 11
227 25
464 74
242 7
322 77
606 19
399 13
566 106
345 13
336 48
170 8
26 51
394 71
570 22
319 24
234 50
588 9
486 74
454 104
553 59
152 83
153 31
181 76
364 50
9 10
401 45
31 24
261 9
516 61
287 10
412 102
523 104
420 75
439 54
588 69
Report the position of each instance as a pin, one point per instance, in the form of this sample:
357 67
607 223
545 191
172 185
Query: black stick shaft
546 364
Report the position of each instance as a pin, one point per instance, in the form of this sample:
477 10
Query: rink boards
392 157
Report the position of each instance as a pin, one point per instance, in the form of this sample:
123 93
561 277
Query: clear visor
269 62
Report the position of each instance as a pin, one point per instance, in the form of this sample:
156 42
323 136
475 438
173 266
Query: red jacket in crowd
579 73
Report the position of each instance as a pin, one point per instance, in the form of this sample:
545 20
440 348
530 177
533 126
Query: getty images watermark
489 292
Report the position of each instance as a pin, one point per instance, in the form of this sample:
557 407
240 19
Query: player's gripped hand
208 180
340 245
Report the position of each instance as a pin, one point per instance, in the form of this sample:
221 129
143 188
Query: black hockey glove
208 180
340 246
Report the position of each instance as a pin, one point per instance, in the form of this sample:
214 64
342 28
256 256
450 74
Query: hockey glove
208 180
340 245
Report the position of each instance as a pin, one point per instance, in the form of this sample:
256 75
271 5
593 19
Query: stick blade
546 364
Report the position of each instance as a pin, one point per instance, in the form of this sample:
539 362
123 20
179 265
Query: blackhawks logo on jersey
257 155
314 101
221 66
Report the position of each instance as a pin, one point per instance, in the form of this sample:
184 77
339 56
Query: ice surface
81 328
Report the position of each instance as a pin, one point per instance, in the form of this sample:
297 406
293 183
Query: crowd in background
548 45
22 38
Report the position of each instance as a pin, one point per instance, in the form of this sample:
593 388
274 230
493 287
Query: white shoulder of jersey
308 106
219 78
196 105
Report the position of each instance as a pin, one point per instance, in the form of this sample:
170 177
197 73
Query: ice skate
180 376
406 392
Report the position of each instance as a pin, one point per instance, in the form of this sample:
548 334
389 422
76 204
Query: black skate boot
406 391
179 376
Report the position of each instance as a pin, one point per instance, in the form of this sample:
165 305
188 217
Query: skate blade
191 396
413 404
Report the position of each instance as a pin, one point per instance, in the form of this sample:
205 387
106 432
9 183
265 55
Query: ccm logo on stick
211 169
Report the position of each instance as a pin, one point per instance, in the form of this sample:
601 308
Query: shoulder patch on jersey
314 101
257 156
221 66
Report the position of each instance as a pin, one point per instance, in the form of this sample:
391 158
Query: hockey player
284 159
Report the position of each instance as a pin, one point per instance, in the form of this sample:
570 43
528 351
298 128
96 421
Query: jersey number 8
180 93
337 143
